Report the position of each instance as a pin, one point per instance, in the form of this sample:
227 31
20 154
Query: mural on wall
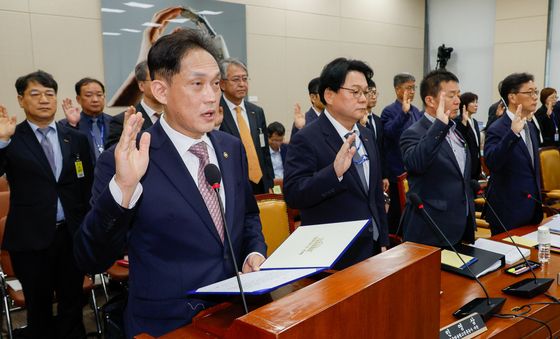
131 28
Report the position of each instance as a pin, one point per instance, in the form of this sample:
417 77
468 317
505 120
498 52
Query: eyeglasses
357 93
237 80
534 92
36 95
373 92
410 88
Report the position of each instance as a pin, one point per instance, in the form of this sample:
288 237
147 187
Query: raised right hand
299 117
344 156
441 114
7 124
518 122
71 112
131 162
406 101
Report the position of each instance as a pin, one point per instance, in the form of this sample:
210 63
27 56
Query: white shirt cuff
117 193
250 254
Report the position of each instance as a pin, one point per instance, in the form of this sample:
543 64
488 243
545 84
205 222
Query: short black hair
512 84
40 77
371 83
164 58
430 85
313 86
141 71
466 99
334 74
276 127
85 81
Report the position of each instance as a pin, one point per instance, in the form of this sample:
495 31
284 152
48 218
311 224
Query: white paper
554 224
255 282
554 238
14 284
314 245
511 253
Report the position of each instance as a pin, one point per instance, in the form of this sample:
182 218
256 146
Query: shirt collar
316 111
35 127
510 114
429 117
182 142
149 111
232 106
341 130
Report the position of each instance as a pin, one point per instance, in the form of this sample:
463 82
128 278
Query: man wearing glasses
332 171
396 118
246 121
512 155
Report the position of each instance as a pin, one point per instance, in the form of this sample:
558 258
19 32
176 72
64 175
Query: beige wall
520 39
289 41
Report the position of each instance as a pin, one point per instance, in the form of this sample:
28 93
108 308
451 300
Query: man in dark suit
396 118
150 108
332 170
278 148
373 122
50 172
247 122
314 111
512 155
151 194
91 121
438 167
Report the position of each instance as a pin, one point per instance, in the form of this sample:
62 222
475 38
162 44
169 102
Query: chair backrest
550 168
402 184
274 219
5 260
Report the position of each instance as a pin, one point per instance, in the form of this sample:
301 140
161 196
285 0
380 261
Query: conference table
456 291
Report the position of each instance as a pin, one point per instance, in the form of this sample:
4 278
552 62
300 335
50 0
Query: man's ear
160 90
20 100
512 99
222 84
431 102
329 96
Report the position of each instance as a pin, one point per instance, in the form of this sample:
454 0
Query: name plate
468 327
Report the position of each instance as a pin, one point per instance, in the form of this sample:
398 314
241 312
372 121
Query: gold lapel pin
226 155
66 140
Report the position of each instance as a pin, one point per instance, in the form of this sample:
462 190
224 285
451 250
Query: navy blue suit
117 122
84 126
311 185
310 116
378 135
173 245
511 174
434 174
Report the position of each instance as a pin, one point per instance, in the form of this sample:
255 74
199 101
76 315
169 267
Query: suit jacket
311 185
512 174
258 127
117 122
283 152
378 136
310 116
34 190
473 144
395 122
434 174
84 127
173 245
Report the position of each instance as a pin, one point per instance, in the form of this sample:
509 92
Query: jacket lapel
252 124
147 120
164 155
66 149
369 141
228 120
30 140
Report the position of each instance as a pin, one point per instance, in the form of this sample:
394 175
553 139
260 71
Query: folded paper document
523 241
511 253
452 259
308 250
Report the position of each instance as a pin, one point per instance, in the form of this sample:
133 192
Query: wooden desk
458 290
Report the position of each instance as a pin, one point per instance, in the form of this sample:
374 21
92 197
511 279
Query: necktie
529 143
255 172
157 115
209 197
97 137
47 147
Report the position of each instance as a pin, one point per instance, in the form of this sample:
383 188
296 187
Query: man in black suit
247 122
150 108
50 172
278 148
91 121
438 166
314 111
332 170
373 122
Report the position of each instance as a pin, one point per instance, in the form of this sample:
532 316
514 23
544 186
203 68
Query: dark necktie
48 148
529 142
97 137
359 164
208 195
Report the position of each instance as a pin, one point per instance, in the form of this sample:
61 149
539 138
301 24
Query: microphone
486 307
213 178
526 288
530 196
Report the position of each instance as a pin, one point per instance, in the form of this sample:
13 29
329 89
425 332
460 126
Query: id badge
261 138
556 137
79 168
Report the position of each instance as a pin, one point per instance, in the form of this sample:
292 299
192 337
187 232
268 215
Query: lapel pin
226 155
66 140
365 139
